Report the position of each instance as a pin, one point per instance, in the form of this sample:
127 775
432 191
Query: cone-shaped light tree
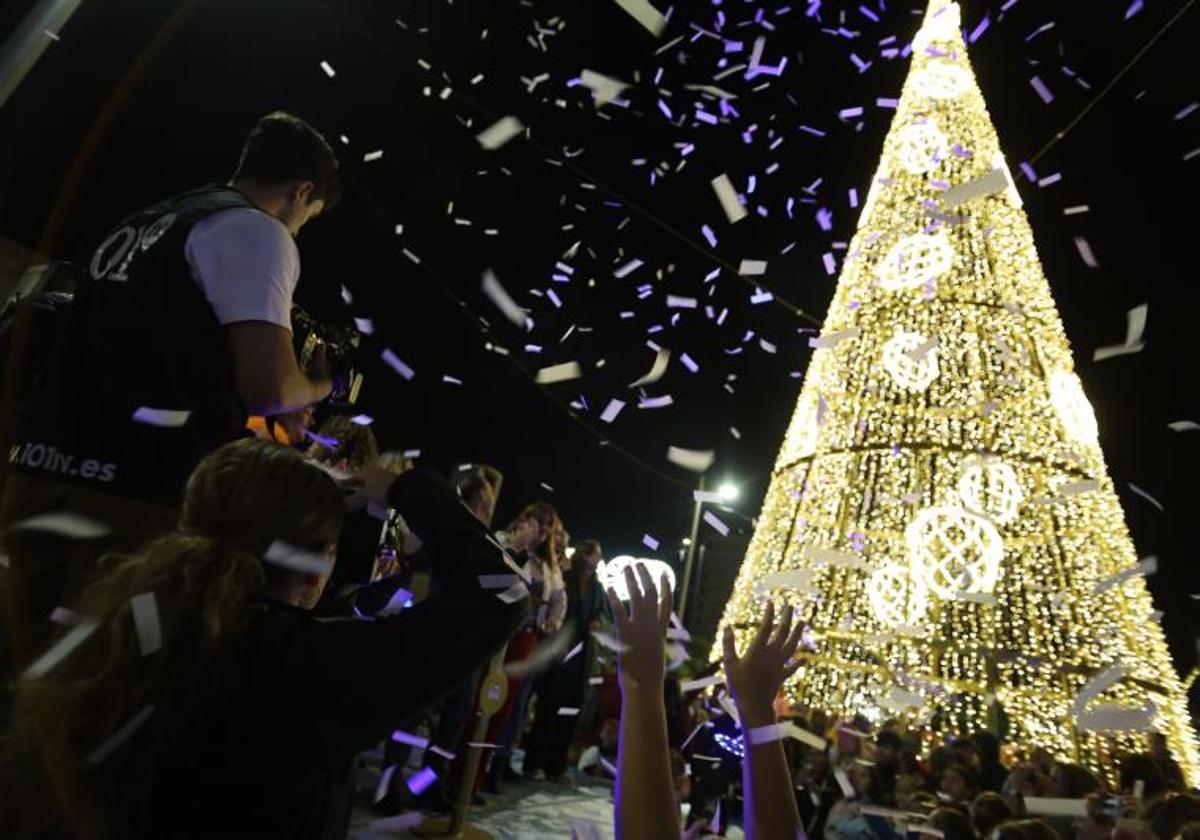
940 512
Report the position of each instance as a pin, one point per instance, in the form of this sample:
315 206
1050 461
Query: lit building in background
940 511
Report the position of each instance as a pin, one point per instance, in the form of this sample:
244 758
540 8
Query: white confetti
567 711
1086 253
502 300
385 782
603 88
499 133
628 268
661 360
120 736
328 68
69 525
564 372
1135 328
364 325
717 525
609 641
990 182
645 14
727 195
163 417
145 619
1146 496
830 340
1184 426
702 683
60 649
372 156
279 553
752 268
656 402
1146 567
696 460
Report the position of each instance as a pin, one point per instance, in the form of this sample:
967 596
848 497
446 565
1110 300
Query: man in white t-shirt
181 331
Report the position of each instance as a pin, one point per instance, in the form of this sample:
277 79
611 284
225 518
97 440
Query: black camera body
340 346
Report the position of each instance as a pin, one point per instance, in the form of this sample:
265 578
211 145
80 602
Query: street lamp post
727 493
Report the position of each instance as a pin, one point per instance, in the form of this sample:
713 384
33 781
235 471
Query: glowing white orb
896 597
612 573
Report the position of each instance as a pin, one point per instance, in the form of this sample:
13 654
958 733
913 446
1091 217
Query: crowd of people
213 608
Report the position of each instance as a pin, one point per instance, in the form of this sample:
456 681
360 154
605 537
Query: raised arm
645 797
268 378
754 678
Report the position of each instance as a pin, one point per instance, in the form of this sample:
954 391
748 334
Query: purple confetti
662 106
815 132
1189 109
830 263
887 102
419 782
1029 171
979 30
849 113
709 235
1134 8
853 197
825 219
649 542
689 363
1042 90
397 364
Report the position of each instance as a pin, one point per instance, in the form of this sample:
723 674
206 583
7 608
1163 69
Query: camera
340 344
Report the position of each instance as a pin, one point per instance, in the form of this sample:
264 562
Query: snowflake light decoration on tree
921 148
907 370
896 596
989 487
953 551
914 260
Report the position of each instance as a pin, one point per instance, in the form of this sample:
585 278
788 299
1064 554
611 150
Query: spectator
566 684
1161 753
479 488
960 783
988 811
1141 767
953 823
161 722
1026 830
1071 781
344 445
888 748
1167 815
185 322
991 772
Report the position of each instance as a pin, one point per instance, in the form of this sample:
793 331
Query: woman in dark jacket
565 685
204 700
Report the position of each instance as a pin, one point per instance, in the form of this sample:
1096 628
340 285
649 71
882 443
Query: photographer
180 331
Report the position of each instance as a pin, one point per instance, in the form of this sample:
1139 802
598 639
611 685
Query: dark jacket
275 755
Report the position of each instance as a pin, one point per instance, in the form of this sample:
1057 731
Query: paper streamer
656 370
993 181
279 553
60 649
499 133
119 737
69 525
502 300
727 195
145 619
559 373
695 460
645 14
1044 806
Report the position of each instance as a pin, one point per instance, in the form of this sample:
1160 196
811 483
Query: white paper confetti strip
696 460
709 496
990 182
1184 426
1146 496
165 418
1097 685
609 641
843 781
145 619
279 553
830 340
514 593
1146 567
122 735
502 300
661 360
717 525
628 268
60 650
69 525
567 711
752 268
385 782
1044 806
573 652
787 729
881 811
373 156
501 581
702 683
727 195
604 89
564 372
645 14
1086 253
1135 328
833 557
796 579
612 410
499 133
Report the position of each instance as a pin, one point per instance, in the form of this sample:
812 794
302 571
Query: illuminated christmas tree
940 512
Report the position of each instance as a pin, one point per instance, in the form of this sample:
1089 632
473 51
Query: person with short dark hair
953 823
479 488
181 330
960 782
988 810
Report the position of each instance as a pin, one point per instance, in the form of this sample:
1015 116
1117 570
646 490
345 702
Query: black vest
140 334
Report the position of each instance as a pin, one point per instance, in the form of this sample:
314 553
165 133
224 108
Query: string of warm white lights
975 562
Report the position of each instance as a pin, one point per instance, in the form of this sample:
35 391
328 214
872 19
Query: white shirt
247 264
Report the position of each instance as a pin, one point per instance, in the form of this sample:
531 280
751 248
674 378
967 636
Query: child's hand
756 676
642 629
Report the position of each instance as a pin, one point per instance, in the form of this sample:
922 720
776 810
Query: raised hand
642 630
755 677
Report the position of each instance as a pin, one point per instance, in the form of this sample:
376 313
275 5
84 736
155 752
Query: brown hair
204 579
343 440
282 148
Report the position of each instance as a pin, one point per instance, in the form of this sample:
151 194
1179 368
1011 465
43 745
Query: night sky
140 99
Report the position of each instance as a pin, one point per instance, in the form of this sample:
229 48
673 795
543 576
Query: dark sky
143 98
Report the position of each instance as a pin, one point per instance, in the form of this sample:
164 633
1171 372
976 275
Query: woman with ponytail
190 693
